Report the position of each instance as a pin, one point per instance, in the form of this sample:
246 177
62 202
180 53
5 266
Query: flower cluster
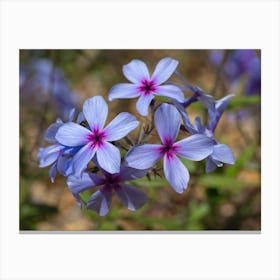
92 154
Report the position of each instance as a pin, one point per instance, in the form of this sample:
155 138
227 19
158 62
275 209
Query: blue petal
72 134
136 71
143 156
215 111
188 125
131 197
71 115
199 126
170 91
85 182
210 165
123 91
82 158
49 155
120 126
223 153
143 103
167 122
81 117
109 158
164 69
176 173
222 103
51 132
95 110
129 173
195 147
205 99
100 202
65 165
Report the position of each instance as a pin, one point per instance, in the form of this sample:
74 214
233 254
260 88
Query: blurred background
54 81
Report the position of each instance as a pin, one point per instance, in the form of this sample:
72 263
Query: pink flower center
97 137
147 87
168 148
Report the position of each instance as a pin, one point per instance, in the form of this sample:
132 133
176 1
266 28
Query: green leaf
241 161
85 196
224 183
196 212
239 102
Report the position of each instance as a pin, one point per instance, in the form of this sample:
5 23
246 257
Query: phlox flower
167 123
100 201
146 86
57 155
221 153
96 139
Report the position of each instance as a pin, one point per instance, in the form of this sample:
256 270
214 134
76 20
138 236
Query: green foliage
197 212
241 161
239 102
224 182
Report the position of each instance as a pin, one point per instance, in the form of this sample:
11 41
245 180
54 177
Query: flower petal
100 202
176 173
143 156
64 165
170 91
49 155
124 90
72 134
83 183
167 122
136 71
143 103
80 118
120 126
187 123
72 114
109 158
205 99
51 132
164 69
223 153
210 165
129 173
131 197
95 110
195 147
82 158
215 111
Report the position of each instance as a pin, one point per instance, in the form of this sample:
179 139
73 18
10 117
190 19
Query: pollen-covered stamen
147 87
97 137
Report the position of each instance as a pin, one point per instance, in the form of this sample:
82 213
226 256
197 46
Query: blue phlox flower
216 110
145 86
195 147
100 201
57 155
95 139
221 153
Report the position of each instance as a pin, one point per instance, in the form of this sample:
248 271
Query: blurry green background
227 199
